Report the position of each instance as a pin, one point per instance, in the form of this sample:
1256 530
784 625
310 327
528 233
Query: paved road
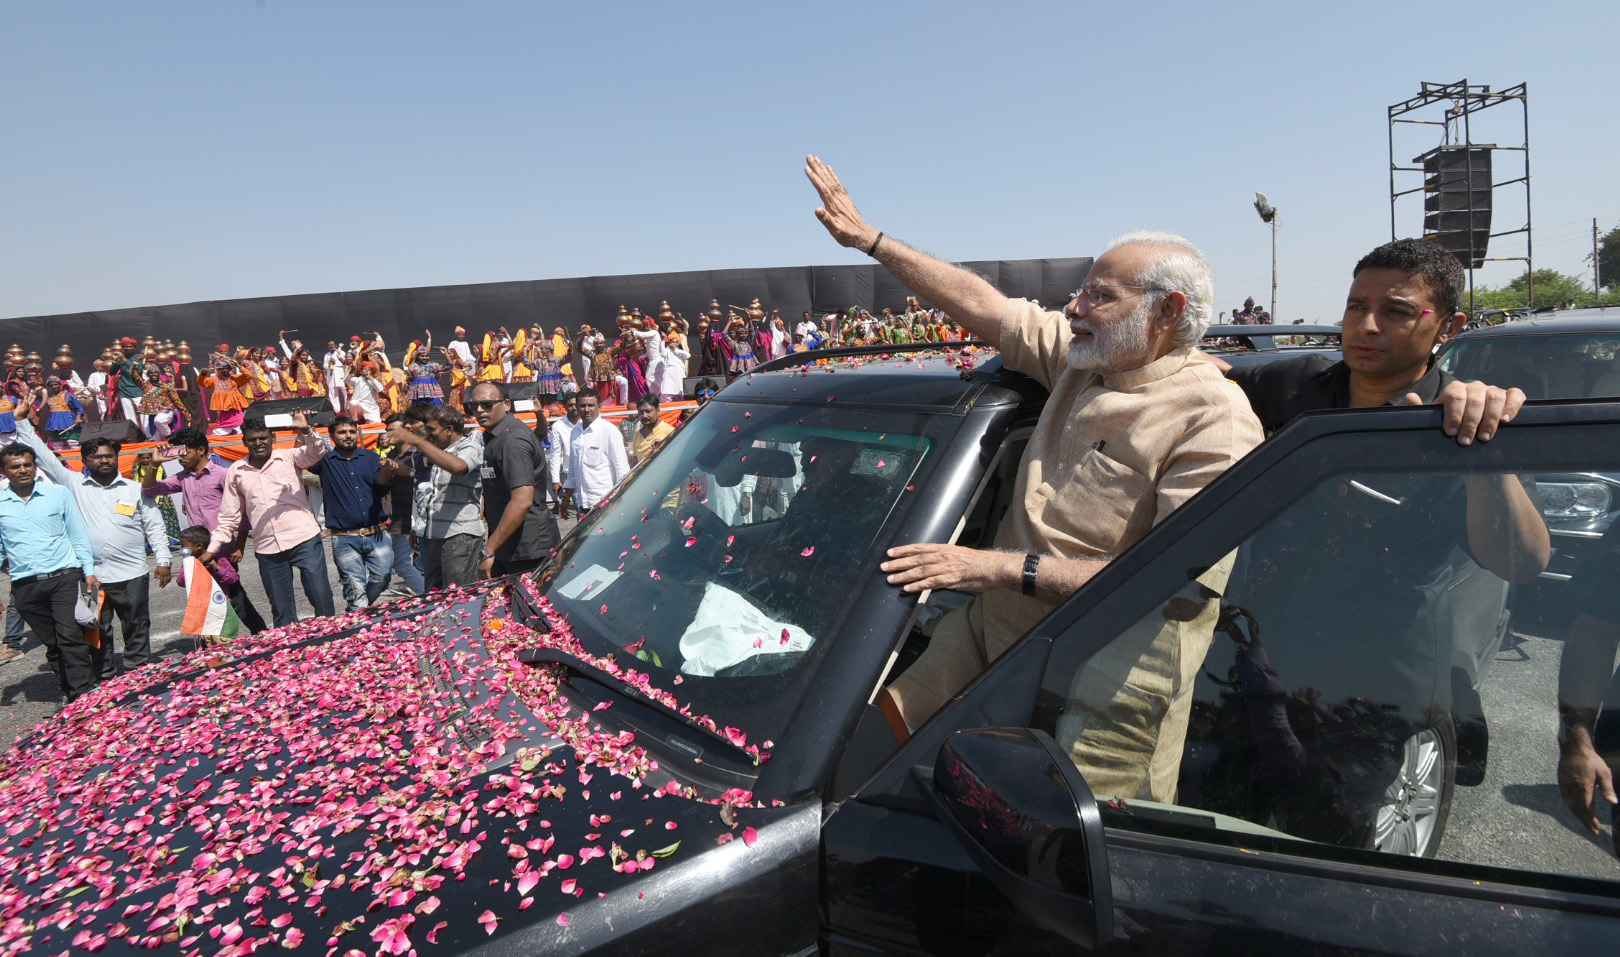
1516 817
29 691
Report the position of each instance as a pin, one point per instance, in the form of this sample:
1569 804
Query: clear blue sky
169 152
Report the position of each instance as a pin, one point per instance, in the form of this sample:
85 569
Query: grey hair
1179 266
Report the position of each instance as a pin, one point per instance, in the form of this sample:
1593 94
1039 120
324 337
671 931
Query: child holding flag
211 620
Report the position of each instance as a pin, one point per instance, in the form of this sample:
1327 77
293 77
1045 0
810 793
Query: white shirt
672 374
596 462
804 328
363 393
460 349
336 364
120 521
562 438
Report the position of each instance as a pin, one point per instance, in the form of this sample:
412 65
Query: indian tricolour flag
208 612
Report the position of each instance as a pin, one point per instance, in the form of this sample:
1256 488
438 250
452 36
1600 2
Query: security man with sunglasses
522 530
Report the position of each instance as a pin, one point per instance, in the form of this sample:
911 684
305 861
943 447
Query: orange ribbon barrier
231 449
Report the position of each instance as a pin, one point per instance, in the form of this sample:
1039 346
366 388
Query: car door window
1341 668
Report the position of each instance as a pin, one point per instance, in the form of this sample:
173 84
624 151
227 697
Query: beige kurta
1110 458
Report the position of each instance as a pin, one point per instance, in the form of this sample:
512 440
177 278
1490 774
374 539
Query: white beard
1115 346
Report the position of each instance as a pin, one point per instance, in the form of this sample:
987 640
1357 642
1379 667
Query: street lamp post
1268 214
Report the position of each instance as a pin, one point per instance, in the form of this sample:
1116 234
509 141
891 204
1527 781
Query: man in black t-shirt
1403 304
1353 585
522 531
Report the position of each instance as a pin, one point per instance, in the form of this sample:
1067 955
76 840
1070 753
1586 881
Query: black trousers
245 612
127 600
47 606
516 566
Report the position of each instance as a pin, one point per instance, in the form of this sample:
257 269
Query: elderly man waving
1135 426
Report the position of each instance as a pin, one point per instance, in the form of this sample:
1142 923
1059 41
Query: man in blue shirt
121 526
352 490
43 537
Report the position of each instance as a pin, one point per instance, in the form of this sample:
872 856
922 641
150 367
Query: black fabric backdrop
402 314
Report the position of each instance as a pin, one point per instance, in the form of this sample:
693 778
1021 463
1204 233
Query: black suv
665 742
1574 354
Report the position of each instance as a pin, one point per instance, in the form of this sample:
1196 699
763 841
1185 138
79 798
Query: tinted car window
1349 674
1544 366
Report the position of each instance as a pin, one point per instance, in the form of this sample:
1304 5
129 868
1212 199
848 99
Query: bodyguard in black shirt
1403 304
1352 586
522 531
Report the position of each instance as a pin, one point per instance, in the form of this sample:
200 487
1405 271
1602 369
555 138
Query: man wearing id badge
121 524
522 531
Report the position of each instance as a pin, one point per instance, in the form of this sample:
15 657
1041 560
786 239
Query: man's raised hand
837 211
398 434
300 420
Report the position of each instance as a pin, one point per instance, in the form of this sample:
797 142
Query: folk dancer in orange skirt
227 380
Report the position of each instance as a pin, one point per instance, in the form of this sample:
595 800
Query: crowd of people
162 387
452 494
1251 315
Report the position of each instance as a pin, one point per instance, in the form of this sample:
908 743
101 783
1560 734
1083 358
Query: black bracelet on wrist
873 251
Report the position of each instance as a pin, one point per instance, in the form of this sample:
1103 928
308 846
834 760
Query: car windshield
734 555
1544 366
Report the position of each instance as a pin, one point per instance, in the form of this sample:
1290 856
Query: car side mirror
1023 812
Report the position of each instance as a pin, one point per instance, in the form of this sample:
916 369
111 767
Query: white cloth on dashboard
729 629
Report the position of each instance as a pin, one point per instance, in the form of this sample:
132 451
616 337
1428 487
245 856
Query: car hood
390 782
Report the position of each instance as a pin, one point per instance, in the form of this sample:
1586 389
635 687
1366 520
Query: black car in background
664 741
1574 354
1246 345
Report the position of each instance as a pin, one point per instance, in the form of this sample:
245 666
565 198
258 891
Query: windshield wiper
553 656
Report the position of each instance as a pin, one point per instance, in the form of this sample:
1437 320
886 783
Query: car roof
922 377
1571 322
1271 330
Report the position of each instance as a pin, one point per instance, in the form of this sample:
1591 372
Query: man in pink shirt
200 481
267 488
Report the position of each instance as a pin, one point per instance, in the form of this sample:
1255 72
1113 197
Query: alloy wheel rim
1406 821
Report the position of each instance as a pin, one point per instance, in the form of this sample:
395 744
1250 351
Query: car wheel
1412 819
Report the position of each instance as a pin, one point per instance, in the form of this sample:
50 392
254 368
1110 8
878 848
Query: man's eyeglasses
705 392
480 405
1097 293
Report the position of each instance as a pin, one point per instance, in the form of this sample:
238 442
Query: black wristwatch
1032 564
486 556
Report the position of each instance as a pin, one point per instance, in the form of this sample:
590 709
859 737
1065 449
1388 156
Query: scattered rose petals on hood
228 801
